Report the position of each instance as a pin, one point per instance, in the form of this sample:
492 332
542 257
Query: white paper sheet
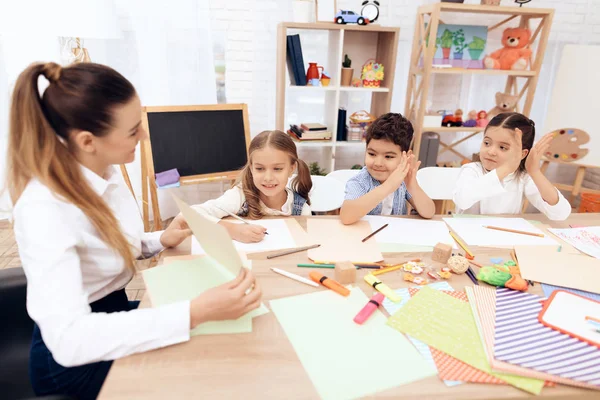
417 232
586 240
472 231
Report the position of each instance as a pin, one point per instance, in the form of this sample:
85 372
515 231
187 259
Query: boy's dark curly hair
393 127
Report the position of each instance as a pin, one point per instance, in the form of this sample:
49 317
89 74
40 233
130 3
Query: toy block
345 272
441 253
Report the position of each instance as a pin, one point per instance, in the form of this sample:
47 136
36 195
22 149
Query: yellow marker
461 244
388 269
382 288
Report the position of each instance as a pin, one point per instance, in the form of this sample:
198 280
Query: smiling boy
389 178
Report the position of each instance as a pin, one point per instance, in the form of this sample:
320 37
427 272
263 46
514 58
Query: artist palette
565 146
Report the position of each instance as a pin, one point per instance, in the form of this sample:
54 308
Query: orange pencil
498 228
329 283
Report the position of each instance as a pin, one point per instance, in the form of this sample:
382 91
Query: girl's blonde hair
80 97
278 140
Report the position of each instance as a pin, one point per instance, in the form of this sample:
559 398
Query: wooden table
263 364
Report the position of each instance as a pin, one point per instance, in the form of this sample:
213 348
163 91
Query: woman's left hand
176 232
535 155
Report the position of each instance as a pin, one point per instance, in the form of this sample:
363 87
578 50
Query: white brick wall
250 26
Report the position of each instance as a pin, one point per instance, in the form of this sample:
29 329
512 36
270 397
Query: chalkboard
199 141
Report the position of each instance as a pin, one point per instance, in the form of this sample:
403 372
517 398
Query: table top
263 363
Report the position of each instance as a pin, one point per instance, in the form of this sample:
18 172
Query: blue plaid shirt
362 183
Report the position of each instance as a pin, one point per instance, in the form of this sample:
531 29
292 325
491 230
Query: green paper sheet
357 360
448 325
184 280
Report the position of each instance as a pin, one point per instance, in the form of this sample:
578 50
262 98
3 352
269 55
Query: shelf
308 88
350 144
465 71
333 26
481 9
364 89
441 129
314 143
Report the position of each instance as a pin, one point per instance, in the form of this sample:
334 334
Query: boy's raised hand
414 164
399 174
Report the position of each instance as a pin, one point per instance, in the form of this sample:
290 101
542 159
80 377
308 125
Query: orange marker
329 283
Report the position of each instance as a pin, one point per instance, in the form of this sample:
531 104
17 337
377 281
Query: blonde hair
79 97
278 140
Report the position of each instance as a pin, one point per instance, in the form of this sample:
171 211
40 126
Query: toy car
350 17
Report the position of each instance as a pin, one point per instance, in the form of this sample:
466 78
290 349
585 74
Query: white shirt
233 199
480 192
68 266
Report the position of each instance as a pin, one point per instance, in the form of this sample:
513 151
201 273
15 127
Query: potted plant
476 47
445 42
347 72
315 169
458 40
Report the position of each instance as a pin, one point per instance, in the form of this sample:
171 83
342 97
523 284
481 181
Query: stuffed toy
482 120
515 54
471 121
504 103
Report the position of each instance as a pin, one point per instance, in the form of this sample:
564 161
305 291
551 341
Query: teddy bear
504 103
515 54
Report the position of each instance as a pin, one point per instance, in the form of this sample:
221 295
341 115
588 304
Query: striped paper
521 339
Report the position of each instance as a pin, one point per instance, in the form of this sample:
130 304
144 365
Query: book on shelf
301 135
308 126
295 61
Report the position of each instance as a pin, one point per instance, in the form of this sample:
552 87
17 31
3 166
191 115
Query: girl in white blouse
509 169
262 187
79 232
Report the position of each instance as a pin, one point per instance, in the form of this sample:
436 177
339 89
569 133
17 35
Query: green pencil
316 265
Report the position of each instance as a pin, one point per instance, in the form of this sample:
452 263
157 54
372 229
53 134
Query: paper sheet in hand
345 360
184 280
213 238
472 231
417 232
341 242
279 238
448 325
543 264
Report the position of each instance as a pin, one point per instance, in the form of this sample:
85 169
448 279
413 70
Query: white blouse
68 266
481 192
233 199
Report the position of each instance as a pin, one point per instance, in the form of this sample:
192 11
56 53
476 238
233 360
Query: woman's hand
176 232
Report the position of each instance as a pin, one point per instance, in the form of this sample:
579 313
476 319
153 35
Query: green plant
477 43
347 61
446 39
356 166
458 39
315 169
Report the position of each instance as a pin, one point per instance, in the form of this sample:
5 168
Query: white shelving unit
360 43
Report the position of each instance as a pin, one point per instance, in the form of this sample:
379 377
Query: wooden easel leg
578 183
145 211
155 207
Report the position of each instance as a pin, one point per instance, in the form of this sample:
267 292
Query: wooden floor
9 258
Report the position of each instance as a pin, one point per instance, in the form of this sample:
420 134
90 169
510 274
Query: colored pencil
354 262
461 244
373 234
317 266
472 276
294 277
232 215
292 251
476 263
497 228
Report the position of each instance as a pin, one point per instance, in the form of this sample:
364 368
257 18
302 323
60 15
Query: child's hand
176 232
397 177
513 161
227 301
248 233
411 177
535 154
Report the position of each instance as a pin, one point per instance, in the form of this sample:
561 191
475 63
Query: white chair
343 175
438 183
327 194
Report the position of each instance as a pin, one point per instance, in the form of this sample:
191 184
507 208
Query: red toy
515 54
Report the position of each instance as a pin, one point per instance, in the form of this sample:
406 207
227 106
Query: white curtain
166 52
